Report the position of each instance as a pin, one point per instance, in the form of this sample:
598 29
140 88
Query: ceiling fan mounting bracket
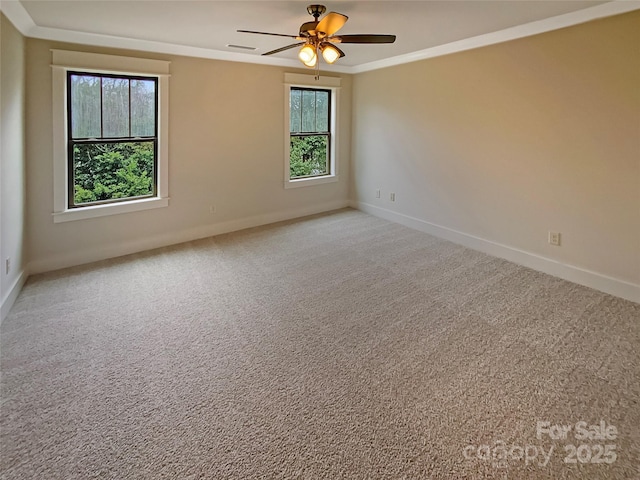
316 10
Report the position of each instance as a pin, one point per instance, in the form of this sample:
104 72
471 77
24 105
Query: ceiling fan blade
282 49
365 38
331 23
266 33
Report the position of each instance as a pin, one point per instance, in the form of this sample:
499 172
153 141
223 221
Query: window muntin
112 123
309 132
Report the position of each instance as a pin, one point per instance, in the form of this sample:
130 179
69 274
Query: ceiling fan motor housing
308 29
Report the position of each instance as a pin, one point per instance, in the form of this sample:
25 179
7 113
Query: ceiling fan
319 37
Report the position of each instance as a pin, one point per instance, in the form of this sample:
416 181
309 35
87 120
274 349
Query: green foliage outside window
104 111
309 114
109 171
308 156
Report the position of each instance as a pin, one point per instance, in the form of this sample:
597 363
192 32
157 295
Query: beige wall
510 141
12 162
226 147
502 144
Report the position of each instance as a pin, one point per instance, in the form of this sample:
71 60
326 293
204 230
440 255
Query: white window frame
66 60
306 81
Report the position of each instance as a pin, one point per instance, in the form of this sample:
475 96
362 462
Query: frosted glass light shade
307 55
312 63
330 53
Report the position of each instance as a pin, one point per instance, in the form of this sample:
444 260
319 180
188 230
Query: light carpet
335 346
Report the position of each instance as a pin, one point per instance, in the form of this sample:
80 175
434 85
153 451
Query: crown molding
525 30
21 19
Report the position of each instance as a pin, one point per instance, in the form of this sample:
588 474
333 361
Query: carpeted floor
336 346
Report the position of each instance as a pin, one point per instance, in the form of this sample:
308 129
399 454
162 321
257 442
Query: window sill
307 182
111 209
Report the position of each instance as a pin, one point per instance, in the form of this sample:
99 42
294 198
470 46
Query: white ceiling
205 28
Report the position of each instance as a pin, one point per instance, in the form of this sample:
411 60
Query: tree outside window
310 132
112 138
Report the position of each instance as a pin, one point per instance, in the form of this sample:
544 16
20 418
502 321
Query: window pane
295 109
308 111
322 111
308 156
85 106
108 171
143 108
115 107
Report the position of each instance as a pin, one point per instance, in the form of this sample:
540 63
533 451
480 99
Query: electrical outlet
392 197
554 238
377 193
7 266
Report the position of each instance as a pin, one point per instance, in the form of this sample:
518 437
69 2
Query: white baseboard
10 298
598 281
94 254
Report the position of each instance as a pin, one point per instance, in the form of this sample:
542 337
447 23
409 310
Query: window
110 134
310 143
309 132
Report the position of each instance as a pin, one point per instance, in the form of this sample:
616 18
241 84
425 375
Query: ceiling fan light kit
308 56
319 37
